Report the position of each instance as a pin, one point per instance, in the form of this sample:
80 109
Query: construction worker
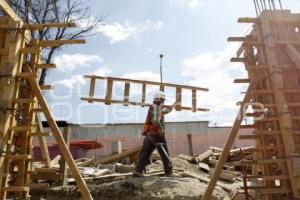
154 132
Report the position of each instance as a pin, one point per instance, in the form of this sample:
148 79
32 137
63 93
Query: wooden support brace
126 93
226 150
58 136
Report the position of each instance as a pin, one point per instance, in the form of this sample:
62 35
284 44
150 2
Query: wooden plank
58 136
190 144
249 137
247 80
46 87
204 156
228 144
16 189
126 93
56 43
26 75
109 89
4 52
178 98
10 12
17 157
247 20
147 82
120 156
46 66
28 50
137 103
236 59
236 39
49 25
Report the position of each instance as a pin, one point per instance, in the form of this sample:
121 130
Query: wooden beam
135 103
228 144
146 82
10 12
143 94
56 43
49 25
120 156
45 66
247 20
247 80
58 136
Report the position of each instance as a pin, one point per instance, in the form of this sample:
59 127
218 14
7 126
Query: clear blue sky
190 33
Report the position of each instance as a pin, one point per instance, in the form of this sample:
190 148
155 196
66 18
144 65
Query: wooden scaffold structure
271 54
22 102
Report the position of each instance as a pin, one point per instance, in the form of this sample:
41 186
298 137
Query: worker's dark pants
150 143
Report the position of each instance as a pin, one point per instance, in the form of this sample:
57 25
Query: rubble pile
114 180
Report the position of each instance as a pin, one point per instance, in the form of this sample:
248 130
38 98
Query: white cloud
78 78
69 62
145 75
118 32
214 71
192 4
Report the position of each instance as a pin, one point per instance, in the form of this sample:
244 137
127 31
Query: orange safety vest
155 112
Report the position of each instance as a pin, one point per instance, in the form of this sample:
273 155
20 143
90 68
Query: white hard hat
159 95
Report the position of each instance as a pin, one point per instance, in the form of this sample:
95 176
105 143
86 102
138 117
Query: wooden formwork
21 103
271 54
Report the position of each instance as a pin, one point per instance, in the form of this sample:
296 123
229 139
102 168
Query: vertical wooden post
92 88
62 163
126 93
178 99
190 144
108 91
43 142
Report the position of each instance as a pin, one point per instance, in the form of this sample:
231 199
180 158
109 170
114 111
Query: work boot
172 174
137 174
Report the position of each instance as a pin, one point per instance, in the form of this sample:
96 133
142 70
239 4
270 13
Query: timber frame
22 102
271 54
